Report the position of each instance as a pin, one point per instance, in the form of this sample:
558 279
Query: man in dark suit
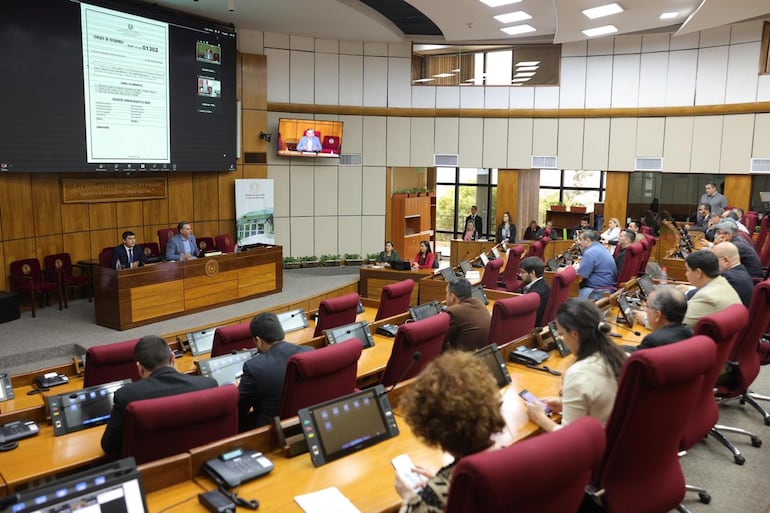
183 245
733 271
664 313
129 254
155 362
476 220
261 386
531 274
469 318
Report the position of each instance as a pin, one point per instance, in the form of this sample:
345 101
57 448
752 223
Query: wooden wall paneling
507 198
18 249
738 191
254 171
254 81
75 217
130 216
46 198
227 226
150 233
102 215
4 282
226 186
616 196
155 212
205 196
101 239
254 122
181 203
48 245
16 205
78 245
239 76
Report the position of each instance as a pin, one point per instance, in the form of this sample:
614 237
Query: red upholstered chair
111 362
750 220
648 243
225 243
336 311
425 337
510 277
105 257
163 235
491 272
156 428
536 249
228 339
205 243
316 376
630 263
27 278
60 269
763 231
330 144
560 285
395 299
513 318
152 251
502 480
764 256
646 230
657 393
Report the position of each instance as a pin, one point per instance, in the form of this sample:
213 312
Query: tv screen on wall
309 138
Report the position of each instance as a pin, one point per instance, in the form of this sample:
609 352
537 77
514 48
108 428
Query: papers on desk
328 500
473 276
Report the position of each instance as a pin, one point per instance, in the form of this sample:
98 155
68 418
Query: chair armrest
21 277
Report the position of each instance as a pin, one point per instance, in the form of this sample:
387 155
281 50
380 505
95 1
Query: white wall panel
742 73
706 141
277 75
302 244
719 36
471 141
400 50
349 241
522 97
374 141
763 88
737 134
326 46
375 81
351 81
627 44
625 80
750 31
471 97
570 144
680 87
325 236
622 144
399 82
398 141
520 143
447 135
352 134
572 83
649 137
422 132
546 97
574 49
447 97
273 40
303 43
545 136
761 142
325 190
495 141
301 189
281 188
350 191
677 143
327 73
496 97
251 41
302 69
655 43
374 191
376 48
598 81
424 97
685 41
711 76
596 143
652 79
282 228
601 46
352 47
372 234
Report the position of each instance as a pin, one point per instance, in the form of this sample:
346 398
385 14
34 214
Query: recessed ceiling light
602 10
423 80
527 63
518 29
527 68
444 75
668 15
600 31
524 74
513 17
498 3
456 70
522 79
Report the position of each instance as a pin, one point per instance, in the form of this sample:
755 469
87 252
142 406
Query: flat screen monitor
82 409
448 274
114 487
626 312
309 138
342 426
646 285
358 330
466 266
492 358
224 369
478 292
201 341
425 310
293 320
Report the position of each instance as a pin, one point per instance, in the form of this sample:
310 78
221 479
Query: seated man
701 218
597 268
733 271
261 386
727 231
469 317
309 142
531 274
664 313
155 362
625 239
714 292
129 255
183 245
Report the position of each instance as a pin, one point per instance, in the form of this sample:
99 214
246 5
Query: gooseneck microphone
415 356
608 321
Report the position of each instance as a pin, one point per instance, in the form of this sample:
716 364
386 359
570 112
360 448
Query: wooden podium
134 297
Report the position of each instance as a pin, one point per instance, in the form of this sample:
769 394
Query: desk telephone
235 467
51 379
528 356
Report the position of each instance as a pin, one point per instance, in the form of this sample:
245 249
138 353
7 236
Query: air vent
543 162
648 164
760 165
351 159
446 160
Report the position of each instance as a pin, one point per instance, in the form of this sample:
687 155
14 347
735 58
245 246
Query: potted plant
558 207
401 193
330 260
577 207
353 259
371 258
309 261
290 262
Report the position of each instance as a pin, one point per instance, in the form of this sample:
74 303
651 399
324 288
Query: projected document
126 78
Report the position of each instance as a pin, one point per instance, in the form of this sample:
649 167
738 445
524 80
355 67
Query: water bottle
664 277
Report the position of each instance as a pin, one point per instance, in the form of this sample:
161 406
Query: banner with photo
254 212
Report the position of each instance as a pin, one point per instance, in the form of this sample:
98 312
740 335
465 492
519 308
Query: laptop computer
552 264
402 265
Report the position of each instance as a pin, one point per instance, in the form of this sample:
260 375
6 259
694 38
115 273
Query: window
570 186
676 193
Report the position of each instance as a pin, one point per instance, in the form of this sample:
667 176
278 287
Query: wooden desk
565 219
373 279
460 250
134 297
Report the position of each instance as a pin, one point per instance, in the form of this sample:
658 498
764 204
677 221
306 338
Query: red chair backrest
331 143
491 272
58 262
511 271
513 318
160 427
205 243
225 243
105 257
163 235
648 243
111 362
151 249
426 337
630 262
763 231
536 249
336 311
750 220
764 257
232 338
395 299
27 267
646 230
313 377
559 292
497 481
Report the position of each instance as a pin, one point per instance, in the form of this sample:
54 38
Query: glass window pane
445 208
499 67
469 196
474 175
587 198
494 176
547 197
445 174
582 178
550 177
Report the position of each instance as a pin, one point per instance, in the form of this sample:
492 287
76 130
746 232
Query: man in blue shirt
597 267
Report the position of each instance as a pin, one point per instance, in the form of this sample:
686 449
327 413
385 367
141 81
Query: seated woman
424 259
506 231
470 231
611 234
533 231
590 384
388 256
460 420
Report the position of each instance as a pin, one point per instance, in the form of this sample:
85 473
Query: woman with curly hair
454 404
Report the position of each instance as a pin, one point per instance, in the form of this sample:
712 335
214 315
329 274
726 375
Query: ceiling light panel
668 15
524 74
513 17
498 3
527 63
518 29
602 10
600 31
527 68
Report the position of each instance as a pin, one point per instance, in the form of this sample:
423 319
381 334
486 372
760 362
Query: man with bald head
727 231
733 271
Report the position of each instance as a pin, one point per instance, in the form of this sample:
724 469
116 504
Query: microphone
617 335
415 356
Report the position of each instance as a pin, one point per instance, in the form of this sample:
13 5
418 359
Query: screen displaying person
128 255
309 142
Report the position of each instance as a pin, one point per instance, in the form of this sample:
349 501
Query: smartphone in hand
403 466
531 398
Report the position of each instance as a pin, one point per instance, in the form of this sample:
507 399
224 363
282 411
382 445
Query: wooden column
738 191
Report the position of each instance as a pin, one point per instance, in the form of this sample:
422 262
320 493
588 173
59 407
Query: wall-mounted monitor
309 138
